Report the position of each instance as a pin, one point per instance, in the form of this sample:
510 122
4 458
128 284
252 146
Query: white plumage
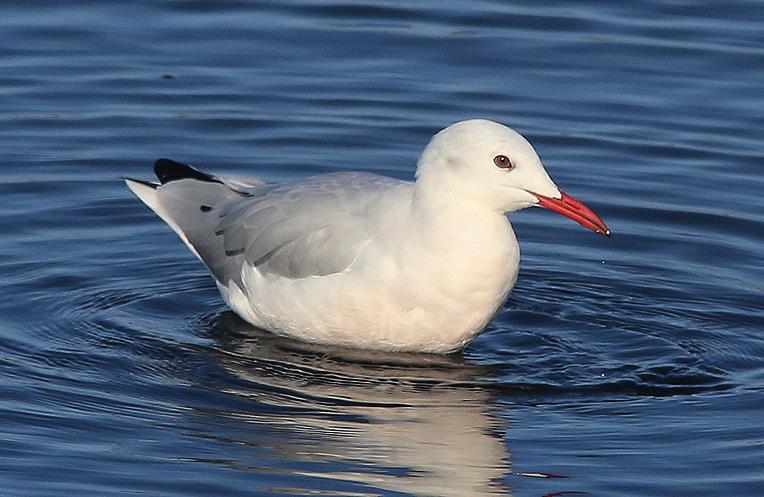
362 260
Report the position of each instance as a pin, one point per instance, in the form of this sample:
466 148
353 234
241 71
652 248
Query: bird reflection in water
410 423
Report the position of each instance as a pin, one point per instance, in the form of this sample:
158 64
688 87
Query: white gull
367 261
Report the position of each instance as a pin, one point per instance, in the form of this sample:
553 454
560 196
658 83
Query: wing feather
314 227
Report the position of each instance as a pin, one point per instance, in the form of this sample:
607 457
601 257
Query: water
628 366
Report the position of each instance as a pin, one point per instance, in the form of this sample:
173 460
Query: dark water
629 366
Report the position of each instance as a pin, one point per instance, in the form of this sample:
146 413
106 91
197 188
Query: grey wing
315 227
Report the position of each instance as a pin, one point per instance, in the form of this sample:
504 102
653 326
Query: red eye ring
503 162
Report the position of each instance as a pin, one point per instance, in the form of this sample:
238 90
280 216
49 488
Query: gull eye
503 162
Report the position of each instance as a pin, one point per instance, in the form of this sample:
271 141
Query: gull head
484 162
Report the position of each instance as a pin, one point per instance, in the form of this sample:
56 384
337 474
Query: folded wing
314 227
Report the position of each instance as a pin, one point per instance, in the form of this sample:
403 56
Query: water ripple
610 358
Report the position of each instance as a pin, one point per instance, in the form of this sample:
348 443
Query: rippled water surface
624 366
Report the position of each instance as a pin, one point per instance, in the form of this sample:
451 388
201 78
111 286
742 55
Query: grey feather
313 227
308 228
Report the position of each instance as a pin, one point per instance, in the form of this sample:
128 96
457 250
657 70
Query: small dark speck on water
122 372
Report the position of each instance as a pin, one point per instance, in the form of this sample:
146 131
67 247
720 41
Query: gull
360 260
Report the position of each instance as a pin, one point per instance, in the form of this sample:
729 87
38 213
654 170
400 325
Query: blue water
625 366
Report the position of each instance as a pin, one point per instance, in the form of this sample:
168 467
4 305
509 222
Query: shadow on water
412 423
406 423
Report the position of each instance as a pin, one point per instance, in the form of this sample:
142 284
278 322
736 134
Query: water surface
624 366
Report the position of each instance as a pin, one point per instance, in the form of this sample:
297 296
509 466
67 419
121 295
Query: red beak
572 208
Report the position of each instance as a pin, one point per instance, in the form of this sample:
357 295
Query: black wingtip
169 170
